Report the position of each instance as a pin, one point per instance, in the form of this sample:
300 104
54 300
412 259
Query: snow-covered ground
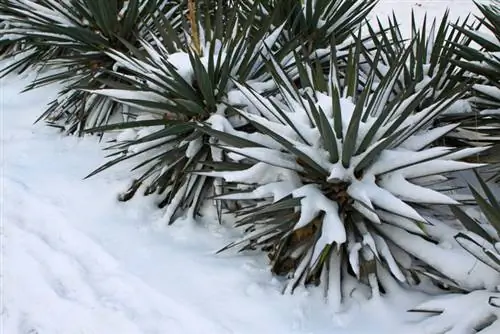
75 260
434 8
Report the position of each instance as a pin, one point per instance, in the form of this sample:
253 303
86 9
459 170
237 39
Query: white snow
180 60
459 317
434 9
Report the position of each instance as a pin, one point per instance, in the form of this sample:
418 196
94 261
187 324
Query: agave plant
482 239
174 86
348 182
70 37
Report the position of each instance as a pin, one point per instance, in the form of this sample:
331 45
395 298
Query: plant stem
195 36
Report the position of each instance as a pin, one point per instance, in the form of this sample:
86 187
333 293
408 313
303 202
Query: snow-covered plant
311 27
485 63
347 186
70 36
8 44
483 241
172 88
431 56
315 22
23 49
476 311
434 58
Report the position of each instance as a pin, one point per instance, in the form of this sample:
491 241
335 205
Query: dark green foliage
314 24
181 101
70 38
483 66
488 231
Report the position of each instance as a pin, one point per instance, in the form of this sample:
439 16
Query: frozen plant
349 183
176 83
477 311
434 59
70 38
484 63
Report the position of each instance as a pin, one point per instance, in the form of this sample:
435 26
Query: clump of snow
126 135
463 313
181 61
458 107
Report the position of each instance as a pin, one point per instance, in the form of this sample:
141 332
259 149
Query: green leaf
470 224
128 125
326 131
227 138
351 137
491 197
489 211
290 147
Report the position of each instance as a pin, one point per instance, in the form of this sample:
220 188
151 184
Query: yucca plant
175 85
489 231
474 313
481 239
348 182
315 25
70 37
484 62
12 44
314 22
8 44
431 55
310 26
434 57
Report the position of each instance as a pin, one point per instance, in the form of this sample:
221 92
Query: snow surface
75 260
434 9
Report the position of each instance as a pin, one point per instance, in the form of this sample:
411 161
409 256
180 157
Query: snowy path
74 260
56 278
82 286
